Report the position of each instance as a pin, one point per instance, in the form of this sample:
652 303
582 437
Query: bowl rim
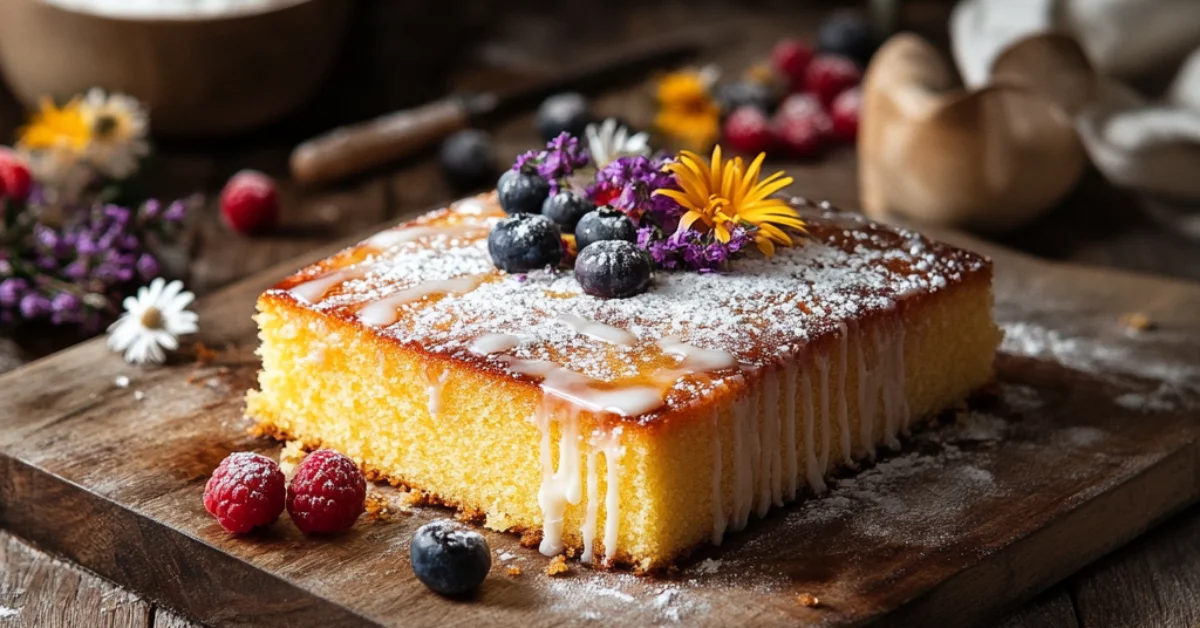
273 6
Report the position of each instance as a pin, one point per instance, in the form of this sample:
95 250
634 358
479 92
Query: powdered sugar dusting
846 269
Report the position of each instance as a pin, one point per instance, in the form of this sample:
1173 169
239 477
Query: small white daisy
152 321
119 126
611 140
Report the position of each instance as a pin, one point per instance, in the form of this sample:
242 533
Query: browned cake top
430 284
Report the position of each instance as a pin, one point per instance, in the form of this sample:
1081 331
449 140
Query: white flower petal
165 339
179 303
168 293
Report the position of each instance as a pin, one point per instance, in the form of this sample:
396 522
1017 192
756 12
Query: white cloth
1152 146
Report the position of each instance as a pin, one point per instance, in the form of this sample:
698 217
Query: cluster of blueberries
609 264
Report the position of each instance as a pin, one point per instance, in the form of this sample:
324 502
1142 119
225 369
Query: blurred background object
202 68
1141 124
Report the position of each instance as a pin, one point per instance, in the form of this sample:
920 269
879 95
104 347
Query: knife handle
350 150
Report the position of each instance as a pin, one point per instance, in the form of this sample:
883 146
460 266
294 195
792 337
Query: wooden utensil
352 149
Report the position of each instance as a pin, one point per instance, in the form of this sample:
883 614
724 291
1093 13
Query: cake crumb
138 395
1135 322
378 507
121 381
557 566
412 498
512 571
204 355
808 599
290 457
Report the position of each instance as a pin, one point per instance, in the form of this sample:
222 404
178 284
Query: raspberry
800 137
245 491
748 130
830 75
249 203
844 113
15 179
327 494
791 57
806 107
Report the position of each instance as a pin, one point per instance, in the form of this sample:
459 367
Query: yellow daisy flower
687 111
55 128
723 194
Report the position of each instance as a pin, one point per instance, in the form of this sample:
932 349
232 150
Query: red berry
249 203
804 107
15 178
245 491
844 113
830 75
791 57
800 137
748 130
327 494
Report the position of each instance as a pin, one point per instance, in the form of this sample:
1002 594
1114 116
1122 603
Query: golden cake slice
624 431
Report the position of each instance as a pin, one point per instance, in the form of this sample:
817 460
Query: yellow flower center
152 318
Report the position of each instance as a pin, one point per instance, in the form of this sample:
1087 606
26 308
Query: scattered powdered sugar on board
8 611
1116 361
598 596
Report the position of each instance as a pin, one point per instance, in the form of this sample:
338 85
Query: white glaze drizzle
382 312
792 467
719 522
826 417
560 486
742 472
613 452
597 330
313 290
489 344
433 389
697 358
392 237
816 479
774 435
593 506
843 412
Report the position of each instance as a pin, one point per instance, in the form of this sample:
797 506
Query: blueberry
467 159
613 269
562 112
731 96
525 242
566 208
605 223
849 35
522 191
449 557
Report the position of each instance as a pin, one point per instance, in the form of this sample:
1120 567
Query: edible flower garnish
723 195
561 158
610 140
628 184
153 320
687 111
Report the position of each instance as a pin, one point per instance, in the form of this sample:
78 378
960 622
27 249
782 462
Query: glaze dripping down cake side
624 431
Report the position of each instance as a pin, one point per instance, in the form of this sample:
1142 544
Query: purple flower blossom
71 265
628 184
561 159
694 250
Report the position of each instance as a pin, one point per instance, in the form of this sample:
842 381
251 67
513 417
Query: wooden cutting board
1090 437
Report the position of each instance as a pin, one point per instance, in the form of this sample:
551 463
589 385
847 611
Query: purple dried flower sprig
628 184
562 157
693 250
72 265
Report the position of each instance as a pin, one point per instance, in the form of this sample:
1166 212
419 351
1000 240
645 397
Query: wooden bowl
199 76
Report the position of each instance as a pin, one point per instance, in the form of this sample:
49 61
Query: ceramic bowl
200 76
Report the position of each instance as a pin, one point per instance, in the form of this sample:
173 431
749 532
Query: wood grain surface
1151 582
1075 474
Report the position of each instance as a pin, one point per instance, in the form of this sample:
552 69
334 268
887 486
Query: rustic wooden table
1153 581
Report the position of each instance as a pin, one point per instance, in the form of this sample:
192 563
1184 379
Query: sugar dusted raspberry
844 114
249 203
15 178
830 75
748 130
791 58
799 137
804 107
327 494
245 491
